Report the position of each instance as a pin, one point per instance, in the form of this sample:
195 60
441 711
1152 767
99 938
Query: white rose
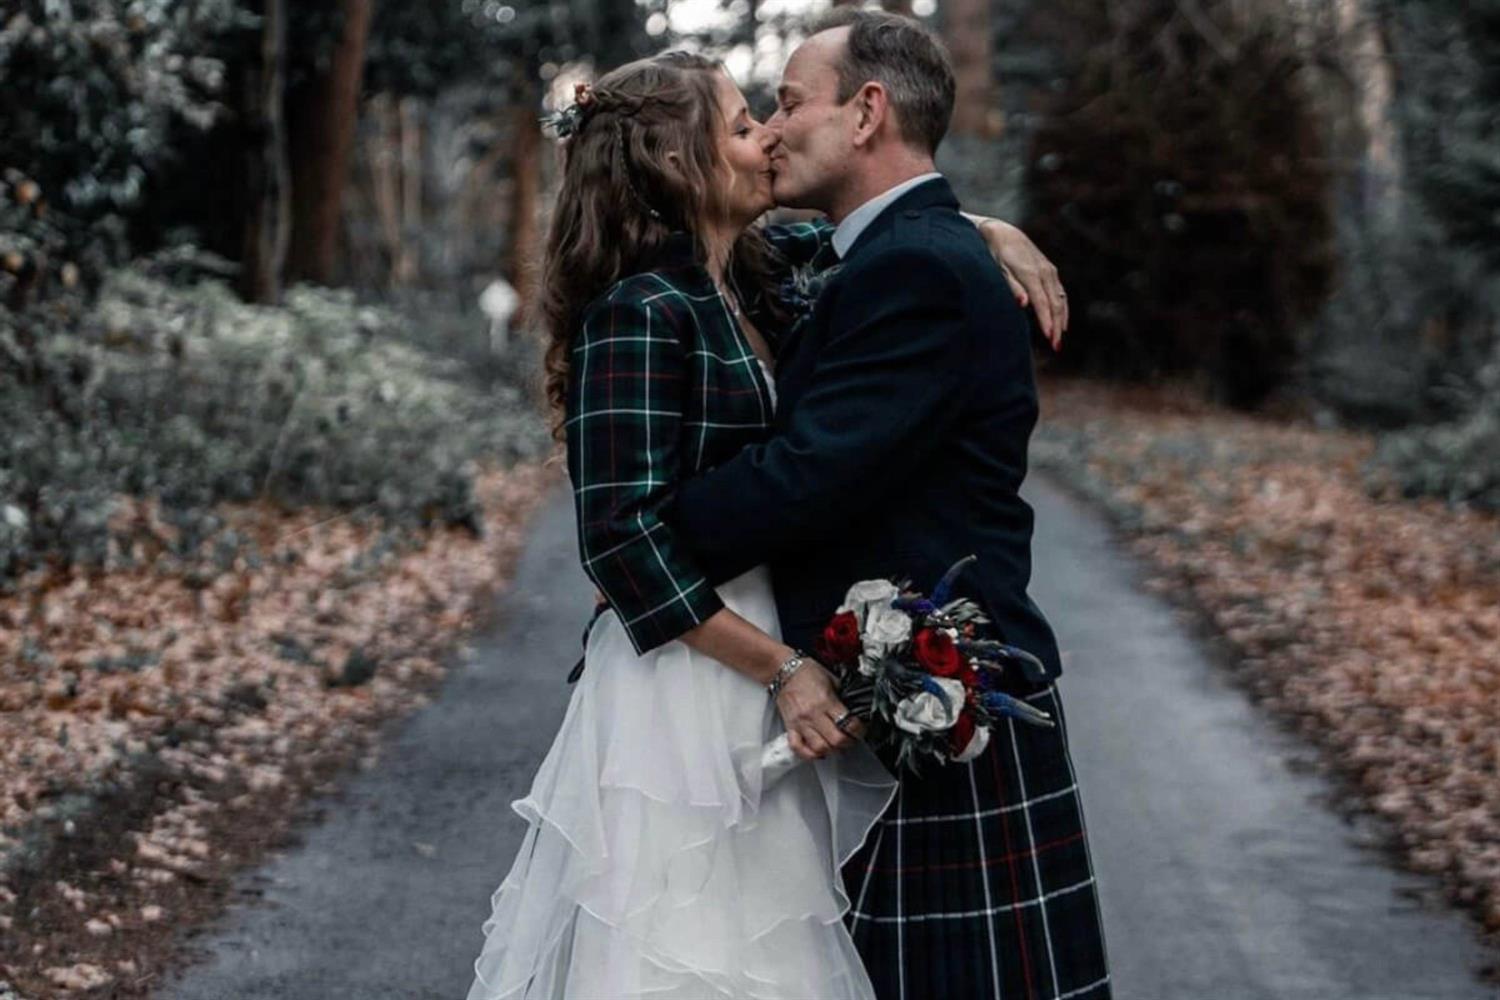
885 629
868 593
867 665
925 712
977 743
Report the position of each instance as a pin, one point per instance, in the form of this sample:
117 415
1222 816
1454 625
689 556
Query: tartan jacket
663 385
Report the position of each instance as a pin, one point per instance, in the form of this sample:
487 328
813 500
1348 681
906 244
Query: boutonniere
807 283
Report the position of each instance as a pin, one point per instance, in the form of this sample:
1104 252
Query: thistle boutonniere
807 282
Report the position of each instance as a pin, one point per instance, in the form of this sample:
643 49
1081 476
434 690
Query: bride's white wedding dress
654 864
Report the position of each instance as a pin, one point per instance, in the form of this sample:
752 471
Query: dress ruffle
653 864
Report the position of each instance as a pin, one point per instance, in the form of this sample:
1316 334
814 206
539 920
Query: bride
655 862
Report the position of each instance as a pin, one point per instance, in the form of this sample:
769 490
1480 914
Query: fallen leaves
217 692
1372 621
81 976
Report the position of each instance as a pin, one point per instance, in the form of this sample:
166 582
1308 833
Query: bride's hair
621 198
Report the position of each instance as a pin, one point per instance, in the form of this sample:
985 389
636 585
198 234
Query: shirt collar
858 220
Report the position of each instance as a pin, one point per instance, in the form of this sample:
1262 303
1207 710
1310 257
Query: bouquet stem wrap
777 759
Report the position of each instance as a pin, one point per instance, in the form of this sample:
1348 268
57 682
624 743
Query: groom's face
815 130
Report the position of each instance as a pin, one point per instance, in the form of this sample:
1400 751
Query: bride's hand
1032 277
809 703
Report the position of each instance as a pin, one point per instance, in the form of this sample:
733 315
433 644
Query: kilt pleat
978 881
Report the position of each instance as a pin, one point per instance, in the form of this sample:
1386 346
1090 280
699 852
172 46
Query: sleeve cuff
682 612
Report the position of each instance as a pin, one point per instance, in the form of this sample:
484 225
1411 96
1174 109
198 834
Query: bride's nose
769 140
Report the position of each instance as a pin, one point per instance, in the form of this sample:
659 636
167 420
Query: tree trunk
966 25
526 189
267 178
385 185
411 189
321 129
1373 72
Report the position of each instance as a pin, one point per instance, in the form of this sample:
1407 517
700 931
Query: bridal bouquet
913 668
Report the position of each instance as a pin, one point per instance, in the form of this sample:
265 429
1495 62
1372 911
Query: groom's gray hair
903 57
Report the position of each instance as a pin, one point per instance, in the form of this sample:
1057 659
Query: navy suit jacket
906 400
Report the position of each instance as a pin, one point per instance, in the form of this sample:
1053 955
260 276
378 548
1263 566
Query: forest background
243 246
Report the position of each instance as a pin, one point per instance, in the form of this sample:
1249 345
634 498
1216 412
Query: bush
1414 96
191 397
91 89
1179 182
1458 461
1423 288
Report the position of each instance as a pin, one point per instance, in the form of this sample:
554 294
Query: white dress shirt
856 221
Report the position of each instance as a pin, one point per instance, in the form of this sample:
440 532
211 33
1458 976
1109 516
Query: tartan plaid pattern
807 250
977 882
662 385
801 242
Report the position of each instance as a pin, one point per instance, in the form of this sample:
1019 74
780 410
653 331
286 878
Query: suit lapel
805 290
795 360
797 352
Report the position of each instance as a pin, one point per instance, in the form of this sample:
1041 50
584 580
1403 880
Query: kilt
977 881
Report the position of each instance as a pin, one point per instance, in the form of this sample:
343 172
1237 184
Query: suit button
912 213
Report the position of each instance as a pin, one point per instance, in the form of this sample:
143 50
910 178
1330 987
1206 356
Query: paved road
386 897
1223 875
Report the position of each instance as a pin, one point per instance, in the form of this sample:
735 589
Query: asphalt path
1224 874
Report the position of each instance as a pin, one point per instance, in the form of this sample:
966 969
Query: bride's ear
672 161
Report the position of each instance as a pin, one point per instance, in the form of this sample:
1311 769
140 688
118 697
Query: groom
907 399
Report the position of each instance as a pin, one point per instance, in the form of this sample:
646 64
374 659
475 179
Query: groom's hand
809 703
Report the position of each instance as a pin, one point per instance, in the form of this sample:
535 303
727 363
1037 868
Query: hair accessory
571 118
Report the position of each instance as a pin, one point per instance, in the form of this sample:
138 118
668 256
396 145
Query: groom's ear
871 107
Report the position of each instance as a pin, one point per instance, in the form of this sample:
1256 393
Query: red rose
935 651
969 677
961 733
840 642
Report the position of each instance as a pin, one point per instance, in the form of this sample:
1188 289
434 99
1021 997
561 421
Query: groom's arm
887 387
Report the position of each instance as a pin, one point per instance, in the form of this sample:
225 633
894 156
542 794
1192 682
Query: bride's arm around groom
886 387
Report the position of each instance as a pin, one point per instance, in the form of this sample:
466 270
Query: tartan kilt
977 881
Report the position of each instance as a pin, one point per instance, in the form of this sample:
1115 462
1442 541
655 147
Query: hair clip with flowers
570 119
